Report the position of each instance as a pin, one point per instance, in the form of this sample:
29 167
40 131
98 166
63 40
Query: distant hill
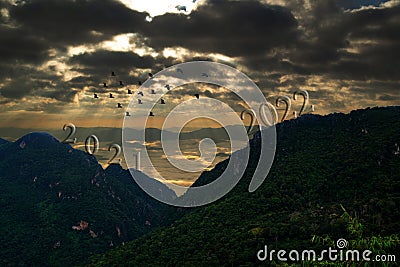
114 135
58 206
322 162
2 141
37 140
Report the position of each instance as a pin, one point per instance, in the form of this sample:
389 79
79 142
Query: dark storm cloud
389 98
362 44
191 89
380 87
275 63
98 65
16 89
323 35
33 28
353 4
380 62
113 59
263 36
320 39
25 80
231 28
19 80
20 45
64 22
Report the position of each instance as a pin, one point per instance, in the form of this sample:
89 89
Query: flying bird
96 96
397 149
140 101
168 87
197 96
111 95
181 8
140 93
151 114
162 101
119 105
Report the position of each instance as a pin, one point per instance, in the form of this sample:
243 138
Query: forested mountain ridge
321 164
2 141
58 205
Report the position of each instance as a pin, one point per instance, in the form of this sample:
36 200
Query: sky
56 54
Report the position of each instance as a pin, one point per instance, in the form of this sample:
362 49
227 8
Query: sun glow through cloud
158 8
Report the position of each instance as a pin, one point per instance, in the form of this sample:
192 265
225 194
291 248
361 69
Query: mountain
322 163
58 205
2 141
37 140
115 171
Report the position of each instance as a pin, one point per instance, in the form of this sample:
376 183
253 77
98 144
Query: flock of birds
280 99
140 93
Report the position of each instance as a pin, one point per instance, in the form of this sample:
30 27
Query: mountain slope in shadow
321 163
59 206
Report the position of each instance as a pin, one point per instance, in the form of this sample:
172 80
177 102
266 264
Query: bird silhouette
396 150
119 105
105 85
168 87
162 101
121 83
96 96
181 8
151 114
140 93
129 91
140 101
112 73
111 95
127 114
153 92
197 96
150 75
